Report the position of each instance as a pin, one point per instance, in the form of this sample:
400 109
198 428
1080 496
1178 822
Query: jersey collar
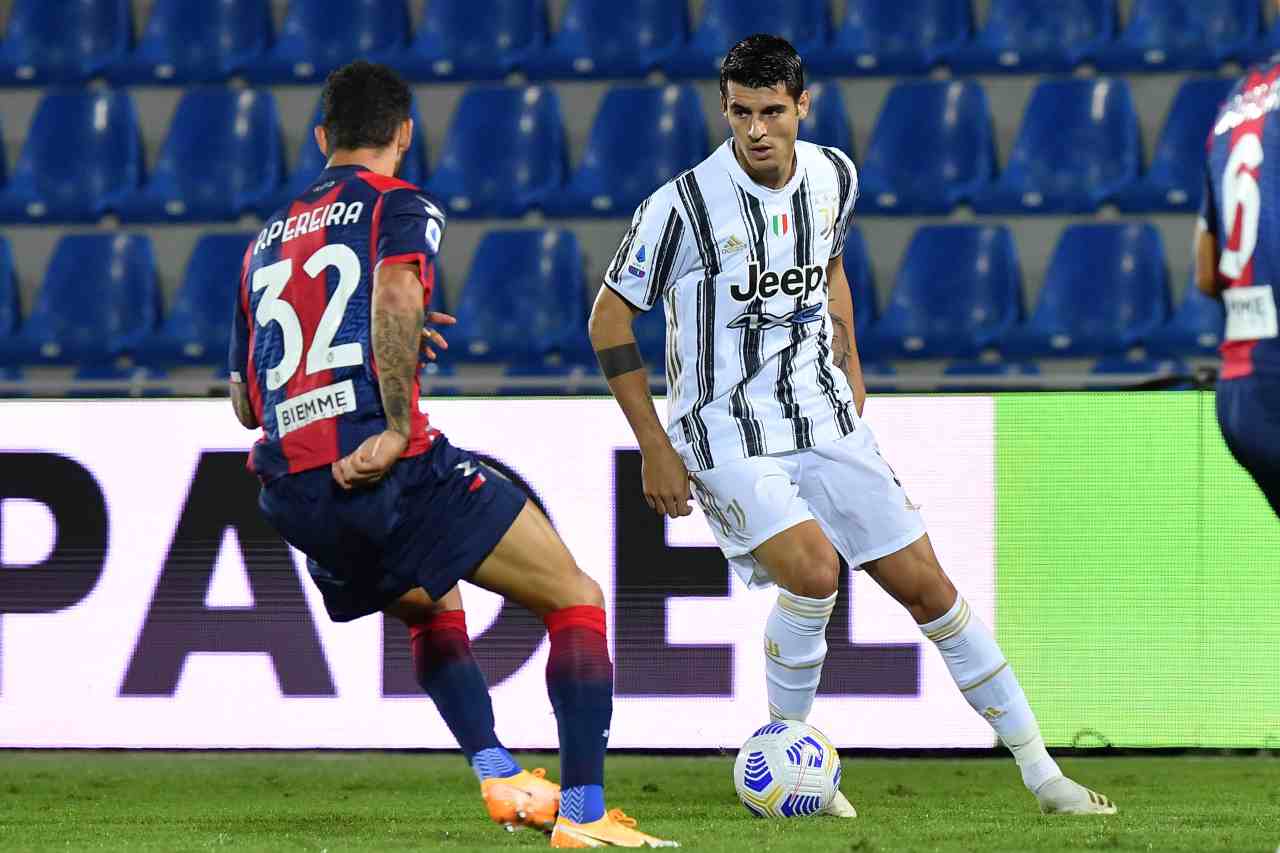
742 179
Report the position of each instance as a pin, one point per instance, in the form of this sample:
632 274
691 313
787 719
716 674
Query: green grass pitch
387 801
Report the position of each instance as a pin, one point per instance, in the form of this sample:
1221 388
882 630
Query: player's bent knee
813 573
585 592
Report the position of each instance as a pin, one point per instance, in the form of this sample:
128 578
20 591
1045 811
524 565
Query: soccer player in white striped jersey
765 402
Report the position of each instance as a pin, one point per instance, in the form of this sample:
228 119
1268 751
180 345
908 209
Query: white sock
795 645
987 681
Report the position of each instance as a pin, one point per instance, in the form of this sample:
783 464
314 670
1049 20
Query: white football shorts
845 485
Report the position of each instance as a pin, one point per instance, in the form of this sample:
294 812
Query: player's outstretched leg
532 566
806 569
916 580
448 673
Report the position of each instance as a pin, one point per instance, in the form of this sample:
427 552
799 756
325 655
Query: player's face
765 123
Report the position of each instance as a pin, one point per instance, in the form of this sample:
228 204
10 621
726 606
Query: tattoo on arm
841 348
395 345
615 361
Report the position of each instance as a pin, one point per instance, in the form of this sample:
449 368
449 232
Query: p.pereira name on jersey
798 281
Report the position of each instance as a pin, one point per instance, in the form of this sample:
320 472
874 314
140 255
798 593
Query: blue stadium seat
1175 180
591 43
1267 47
119 373
458 41
98 301
1119 372
1037 35
804 23
221 158
198 324
1195 329
82 153
524 300
931 149
1169 34
627 159
828 122
959 290
311 162
1078 147
10 301
894 37
321 35
862 283
985 375
650 328
504 152
1105 293
187 42
66 42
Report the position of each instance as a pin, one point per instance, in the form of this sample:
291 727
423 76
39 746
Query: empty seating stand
81 157
1106 293
201 42
1170 34
804 23
459 40
894 37
1078 146
591 43
1023 36
98 301
321 35
932 148
625 159
67 42
959 291
504 152
222 158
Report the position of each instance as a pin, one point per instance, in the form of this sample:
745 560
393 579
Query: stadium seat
82 153
98 301
222 158
893 37
590 43
1195 330
1105 293
828 122
626 158
187 42
504 152
311 162
1169 34
118 373
1037 35
458 42
10 301
198 324
986 375
1119 372
1175 181
64 42
862 283
959 290
321 35
931 149
1078 147
524 300
804 23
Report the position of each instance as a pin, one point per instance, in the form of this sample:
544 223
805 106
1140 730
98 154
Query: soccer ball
786 769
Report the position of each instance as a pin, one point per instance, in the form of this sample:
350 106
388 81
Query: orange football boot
525 799
615 829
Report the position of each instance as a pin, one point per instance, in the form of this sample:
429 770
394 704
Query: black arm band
618 360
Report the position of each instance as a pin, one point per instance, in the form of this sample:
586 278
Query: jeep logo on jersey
794 281
759 321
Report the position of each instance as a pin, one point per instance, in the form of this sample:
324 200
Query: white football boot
840 806
1061 795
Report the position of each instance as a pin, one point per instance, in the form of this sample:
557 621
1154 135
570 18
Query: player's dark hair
762 61
364 105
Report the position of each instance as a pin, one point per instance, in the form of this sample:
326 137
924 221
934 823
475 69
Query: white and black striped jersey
741 272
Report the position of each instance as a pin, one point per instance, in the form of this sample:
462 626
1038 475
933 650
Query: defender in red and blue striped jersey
1238 261
324 355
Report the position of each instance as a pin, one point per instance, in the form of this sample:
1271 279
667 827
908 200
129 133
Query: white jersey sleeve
847 183
654 252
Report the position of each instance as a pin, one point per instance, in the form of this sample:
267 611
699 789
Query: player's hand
371 461
666 482
431 336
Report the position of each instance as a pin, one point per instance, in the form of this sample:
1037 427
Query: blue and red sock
449 674
580 684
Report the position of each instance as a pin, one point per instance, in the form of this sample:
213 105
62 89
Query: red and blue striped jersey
1241 208
301 337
